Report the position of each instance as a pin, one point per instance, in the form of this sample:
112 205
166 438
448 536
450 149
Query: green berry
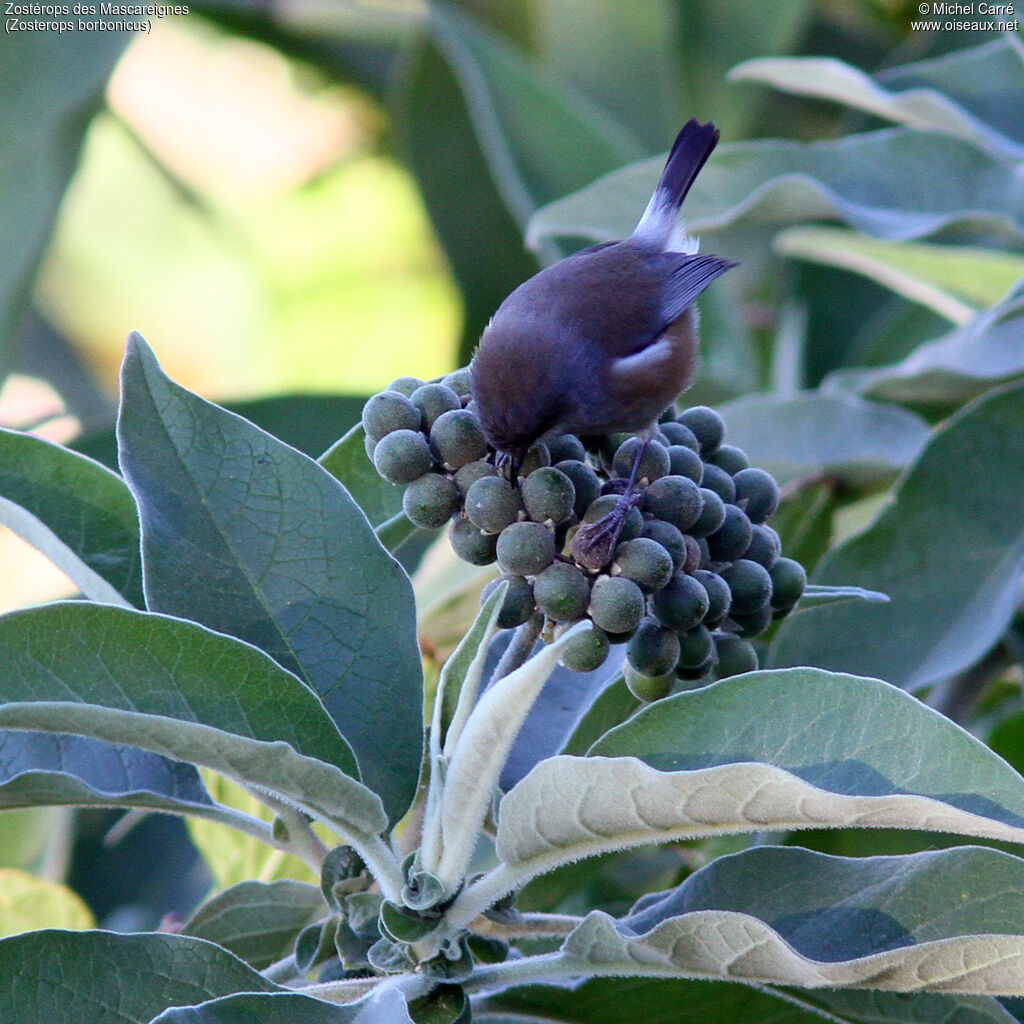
616 604
653 650
467 475
757 493
430 500
600 507
653 464
644 561
562 592
525 549
470 544
685 461
405 385
749 584
389 411
765 546
647 688
369 443
788 582
719 596
706 425
678 434
729 458
402 456
537 455
670 538
492 503
587 651
732 538
735 656
456 438
459 382
716 479
585 483
712 515
548 495
434 399
565 446
695 647
518 604
753 623
681 604
676 499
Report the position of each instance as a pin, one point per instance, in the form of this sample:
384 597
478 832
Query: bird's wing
686 276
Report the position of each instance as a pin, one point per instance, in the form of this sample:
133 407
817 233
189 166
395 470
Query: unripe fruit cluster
697 571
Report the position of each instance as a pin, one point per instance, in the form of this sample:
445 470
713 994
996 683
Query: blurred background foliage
299 200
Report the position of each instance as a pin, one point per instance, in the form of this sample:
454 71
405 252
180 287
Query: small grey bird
604 340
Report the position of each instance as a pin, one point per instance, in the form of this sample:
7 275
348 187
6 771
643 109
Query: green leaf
952 578
540 137
347 462
861 443
611 708
66 977
953 280
871 181
39 769
761 751
258 921
254 539
27 903
177 689
996 67
51 92
288 1008
954 368
79 514
947 921
436 136
654 1001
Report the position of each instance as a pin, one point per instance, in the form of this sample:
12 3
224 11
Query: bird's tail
690 151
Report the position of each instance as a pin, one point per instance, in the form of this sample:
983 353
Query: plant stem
480 895
527 926
524 971
520 647
300 838
412 986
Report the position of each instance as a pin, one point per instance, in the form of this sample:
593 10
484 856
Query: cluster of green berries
697 571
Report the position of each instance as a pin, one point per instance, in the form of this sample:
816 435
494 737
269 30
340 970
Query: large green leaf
952 369
948 549
254 539
946 921
177 689
51 91
872 181
65 977
541 138
847 438
762 751
973 94
75 511
654 1001
39 768
953 280
438 143
288 1008
258 921
678 1001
